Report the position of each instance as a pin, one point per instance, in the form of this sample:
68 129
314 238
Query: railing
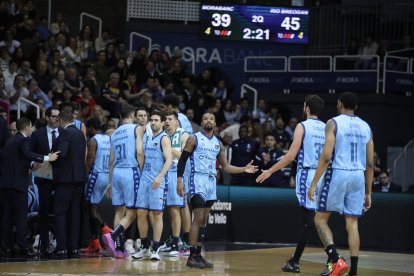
187 52
402 170
29 103
131 36
93 17
6 106
266 58
244 90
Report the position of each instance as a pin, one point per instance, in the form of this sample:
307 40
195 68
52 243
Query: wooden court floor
242 262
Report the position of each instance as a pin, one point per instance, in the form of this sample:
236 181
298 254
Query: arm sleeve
181 163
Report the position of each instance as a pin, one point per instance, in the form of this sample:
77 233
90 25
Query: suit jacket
15 172
70 165
40 144
4 135
394 188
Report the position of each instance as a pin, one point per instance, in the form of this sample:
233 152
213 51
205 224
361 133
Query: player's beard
304 116
208 127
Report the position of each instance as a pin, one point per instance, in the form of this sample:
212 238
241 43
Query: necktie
53 136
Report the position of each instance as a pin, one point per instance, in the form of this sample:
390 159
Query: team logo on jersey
216 146
155 145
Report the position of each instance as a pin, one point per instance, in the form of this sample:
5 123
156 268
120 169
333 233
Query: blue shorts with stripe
152 199
173 199
343 192
95 187
203 185
304 179
125 184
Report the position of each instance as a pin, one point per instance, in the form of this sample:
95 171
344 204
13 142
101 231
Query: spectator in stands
56 62
244 109
72 52
231 113
164 64
3 93
26 70
111 99
4 58
290 128
101 71
73 80
90 81
98 112
111 60
86 43
18 56
260 112
130 90
267 128
61 43
243 151
19 90
255 131
10 73
38 93
121 68
205 82
370 48
9 42
266 157
103 40
219 91
377 167
42 76
121 51
282 137
154 57
86 98
190 115
55 26
59 82
138 63
42 28
25 31
353 49
385 185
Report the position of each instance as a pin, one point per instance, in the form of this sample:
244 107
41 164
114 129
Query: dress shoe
61 254
44 251
75 253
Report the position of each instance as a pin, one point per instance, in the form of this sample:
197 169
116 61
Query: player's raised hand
263 176
249 168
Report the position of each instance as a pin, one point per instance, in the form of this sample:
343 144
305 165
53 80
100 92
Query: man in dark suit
4 135
69 176
385 185
14 184
41 143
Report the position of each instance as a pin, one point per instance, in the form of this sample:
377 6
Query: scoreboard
254 23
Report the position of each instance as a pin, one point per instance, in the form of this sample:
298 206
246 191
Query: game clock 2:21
254 23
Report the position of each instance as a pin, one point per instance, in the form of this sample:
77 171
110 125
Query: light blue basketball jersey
154 157
312 143
103 150
351 137
78 124
203 159
185 123
123 142
176 145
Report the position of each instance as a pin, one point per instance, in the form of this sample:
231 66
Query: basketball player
171 102
97 167
153 186
124 174
175 203
308 140
348 180
204 148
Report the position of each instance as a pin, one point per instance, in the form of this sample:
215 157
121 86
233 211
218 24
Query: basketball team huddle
161 165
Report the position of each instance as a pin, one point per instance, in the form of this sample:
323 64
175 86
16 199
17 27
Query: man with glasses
41 143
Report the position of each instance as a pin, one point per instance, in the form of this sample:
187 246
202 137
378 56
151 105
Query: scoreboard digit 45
254 23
